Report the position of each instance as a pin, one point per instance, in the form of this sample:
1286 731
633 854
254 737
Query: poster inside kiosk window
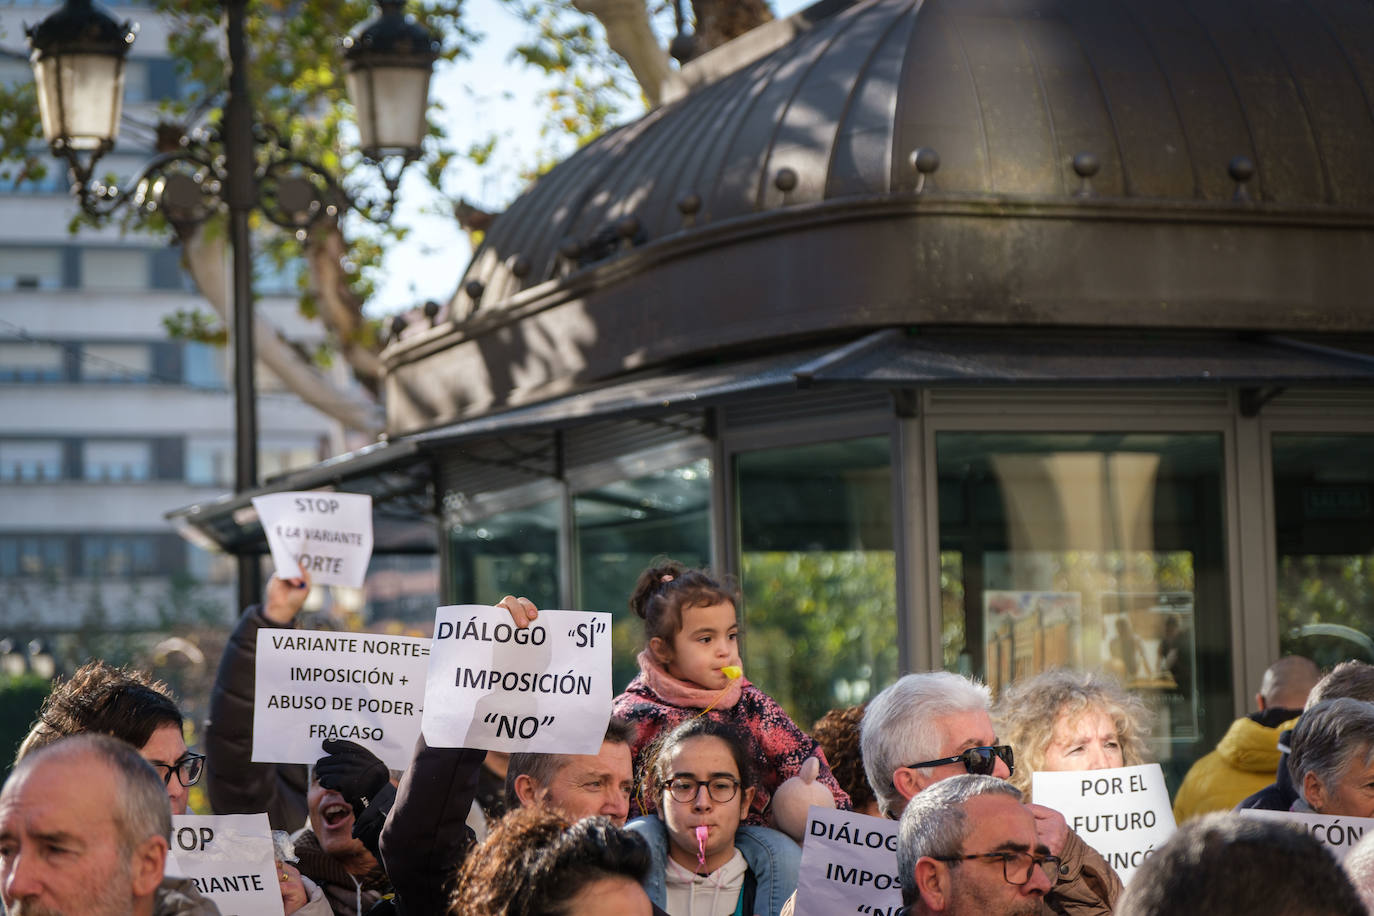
328 535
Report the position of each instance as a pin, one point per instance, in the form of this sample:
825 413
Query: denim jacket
772 857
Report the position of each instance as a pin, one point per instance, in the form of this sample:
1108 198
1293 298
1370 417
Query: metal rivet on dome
1086 165
925 161
518 264
785 180
1241 169
689 205
570 248
475 289
431 310
396 326
627 226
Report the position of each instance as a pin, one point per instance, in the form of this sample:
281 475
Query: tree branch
630 35
205 254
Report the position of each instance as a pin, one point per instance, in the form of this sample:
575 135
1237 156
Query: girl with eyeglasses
705 860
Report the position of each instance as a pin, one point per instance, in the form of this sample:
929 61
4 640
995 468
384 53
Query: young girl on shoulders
690 666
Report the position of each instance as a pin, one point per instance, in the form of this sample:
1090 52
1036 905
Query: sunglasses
980 761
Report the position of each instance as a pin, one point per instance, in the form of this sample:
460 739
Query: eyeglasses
980 761
721 789
188 770
1017 867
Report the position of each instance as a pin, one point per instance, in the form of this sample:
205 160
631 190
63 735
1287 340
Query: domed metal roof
1200 165
1186 101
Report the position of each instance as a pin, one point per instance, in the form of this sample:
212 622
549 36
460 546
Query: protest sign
848 865
229 858
1333 831
1123 813
329 535
313 685
544 689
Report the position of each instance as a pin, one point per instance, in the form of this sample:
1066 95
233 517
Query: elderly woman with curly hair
1070 720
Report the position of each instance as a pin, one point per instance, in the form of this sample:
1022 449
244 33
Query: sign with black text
329 535
848 865
230 859
313 685
543 689
1338 834
1123 813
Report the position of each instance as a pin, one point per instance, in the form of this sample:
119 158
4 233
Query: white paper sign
230 859
1123 813
327 534
543 689
1336 833
313 685
848 865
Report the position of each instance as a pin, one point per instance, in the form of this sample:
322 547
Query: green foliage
196 325
1326 589
591 89
20 698
820 627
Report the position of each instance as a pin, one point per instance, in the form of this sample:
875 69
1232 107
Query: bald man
1247 756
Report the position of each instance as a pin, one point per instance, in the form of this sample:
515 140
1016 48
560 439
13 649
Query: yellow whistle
733 672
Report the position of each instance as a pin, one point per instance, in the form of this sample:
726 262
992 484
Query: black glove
368 825
353 771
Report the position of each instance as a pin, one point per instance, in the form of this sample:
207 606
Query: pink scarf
676 692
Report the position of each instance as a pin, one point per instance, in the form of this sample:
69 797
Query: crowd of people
697 801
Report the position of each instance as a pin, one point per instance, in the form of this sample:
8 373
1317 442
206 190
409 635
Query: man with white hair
85 825
928 727
1332 760
968 847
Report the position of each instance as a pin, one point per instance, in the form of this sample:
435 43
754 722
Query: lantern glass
391 104
79 98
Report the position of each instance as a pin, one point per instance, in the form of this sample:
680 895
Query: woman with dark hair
706 862
535 862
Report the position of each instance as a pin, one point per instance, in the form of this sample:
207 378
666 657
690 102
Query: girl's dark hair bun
651 582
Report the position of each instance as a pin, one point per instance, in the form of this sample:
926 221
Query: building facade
106 422
980 336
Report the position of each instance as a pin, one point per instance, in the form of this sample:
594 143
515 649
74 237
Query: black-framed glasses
188 770
980 761
1017 867
721 789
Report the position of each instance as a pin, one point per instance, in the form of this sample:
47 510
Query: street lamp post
78 62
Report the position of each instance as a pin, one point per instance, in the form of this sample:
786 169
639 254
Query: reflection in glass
621 528
1093 551
1324 526
819 573
510 553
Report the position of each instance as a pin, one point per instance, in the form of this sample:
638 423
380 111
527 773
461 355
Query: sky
484 93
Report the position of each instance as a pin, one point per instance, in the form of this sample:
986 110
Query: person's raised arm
233 782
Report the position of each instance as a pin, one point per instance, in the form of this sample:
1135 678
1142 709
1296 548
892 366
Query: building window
30 268
116 362
118 555
204 366
32 555
1324 527
819 572
1101 551
31 460
117 460
621 527
115 269
26 361
209 464
509 553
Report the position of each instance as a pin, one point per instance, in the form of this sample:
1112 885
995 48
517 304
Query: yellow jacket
1245 761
